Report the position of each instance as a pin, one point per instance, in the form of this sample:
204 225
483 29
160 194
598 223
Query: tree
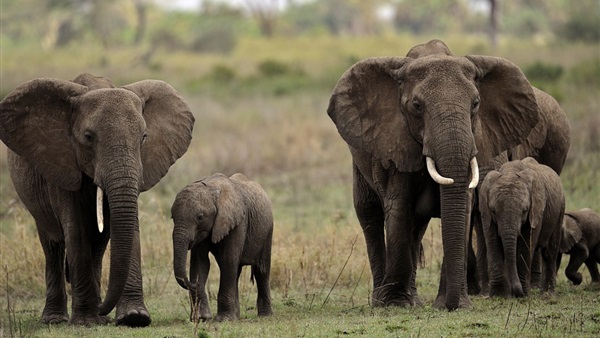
266 13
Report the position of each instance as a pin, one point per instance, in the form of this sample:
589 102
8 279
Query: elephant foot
225 316
576 278
133 316
463 303
55 318
381 299
197 315
89 320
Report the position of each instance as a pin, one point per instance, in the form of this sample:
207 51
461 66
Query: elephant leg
199 269
417 256
548 256
578 255
472 270
262 273
481 256
536 271
498 280
592 264
55 310
227 298
131 310
525 254
371 218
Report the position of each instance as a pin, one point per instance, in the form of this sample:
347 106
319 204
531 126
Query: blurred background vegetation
258 75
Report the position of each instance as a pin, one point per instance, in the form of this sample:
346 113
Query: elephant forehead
111 99
442 66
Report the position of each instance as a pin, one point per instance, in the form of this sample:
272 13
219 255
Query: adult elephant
418 128
80 152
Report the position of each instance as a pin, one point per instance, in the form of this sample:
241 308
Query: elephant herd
465 139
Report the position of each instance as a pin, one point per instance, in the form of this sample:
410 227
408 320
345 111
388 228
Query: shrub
543 72
586 73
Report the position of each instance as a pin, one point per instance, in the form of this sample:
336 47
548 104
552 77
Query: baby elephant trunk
181 243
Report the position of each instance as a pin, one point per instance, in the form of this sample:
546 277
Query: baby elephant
232 219
581 240
522 207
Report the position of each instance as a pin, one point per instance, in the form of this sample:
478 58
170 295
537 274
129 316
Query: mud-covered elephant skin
522 207
80 152
232 219
419 128
581 241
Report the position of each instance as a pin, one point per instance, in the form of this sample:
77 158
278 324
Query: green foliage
583 22
543 72
586 73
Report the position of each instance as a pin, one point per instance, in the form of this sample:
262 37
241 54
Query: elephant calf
522 207
232 219
581 240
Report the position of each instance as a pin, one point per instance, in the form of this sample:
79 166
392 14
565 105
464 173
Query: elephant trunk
181 243
123 204
509 234
454 156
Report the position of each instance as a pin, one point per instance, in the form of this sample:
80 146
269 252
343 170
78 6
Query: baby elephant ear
365 107
35 123
169 124
571 233
231 212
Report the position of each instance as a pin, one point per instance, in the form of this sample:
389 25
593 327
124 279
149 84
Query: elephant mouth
99 209
439 179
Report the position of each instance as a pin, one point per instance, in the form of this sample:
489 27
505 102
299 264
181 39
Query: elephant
522 207
232 219
581 241
419 128
79 154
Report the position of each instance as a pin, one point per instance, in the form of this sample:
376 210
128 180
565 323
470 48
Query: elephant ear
231 212
571 233
169 124
538 198
508 108
365 107
35 120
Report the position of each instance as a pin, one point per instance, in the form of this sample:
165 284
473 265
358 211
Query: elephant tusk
99 214
474 173
435 175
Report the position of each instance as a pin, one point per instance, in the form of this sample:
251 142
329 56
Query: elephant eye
144 137
475 105
89 136
417 106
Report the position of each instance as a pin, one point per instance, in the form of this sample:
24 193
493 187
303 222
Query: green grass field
272 125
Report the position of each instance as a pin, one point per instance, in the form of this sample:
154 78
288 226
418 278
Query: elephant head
432 109
208 209
122 139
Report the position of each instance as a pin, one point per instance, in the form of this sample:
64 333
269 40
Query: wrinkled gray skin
522 207
548 143
65 139
581 241
394 112
232 219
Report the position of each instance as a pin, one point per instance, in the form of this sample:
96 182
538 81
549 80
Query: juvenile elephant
232 219
419 129
522 207
581 241
80 152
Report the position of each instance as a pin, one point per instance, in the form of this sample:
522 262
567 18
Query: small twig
528 311
356 285
508 317
341 271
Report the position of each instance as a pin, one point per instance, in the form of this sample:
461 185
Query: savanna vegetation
260 103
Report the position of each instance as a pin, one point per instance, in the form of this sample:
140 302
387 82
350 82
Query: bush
220 40
222 74
586 73
543 72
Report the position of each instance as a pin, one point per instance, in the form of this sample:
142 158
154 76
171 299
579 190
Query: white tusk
435 175
99 214
474 173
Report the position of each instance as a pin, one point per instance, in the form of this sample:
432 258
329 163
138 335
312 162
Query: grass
284 140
